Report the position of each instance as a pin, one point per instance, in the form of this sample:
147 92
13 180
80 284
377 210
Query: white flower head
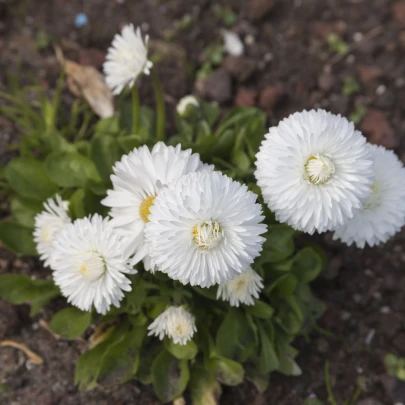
89 266
242 289
176 323
314 170
204 229
184 103
127 58
48 223
137 179
383 214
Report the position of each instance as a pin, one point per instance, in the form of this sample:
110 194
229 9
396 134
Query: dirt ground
287 66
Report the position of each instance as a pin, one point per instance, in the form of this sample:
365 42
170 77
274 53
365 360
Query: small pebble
249 39
399 82
357 37
369 273
385 310
381 89
370 336
350 59
268 57
345 316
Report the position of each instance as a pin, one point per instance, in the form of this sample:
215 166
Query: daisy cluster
176 215
172 212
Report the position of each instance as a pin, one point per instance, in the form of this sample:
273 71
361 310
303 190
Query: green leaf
313 401
70 323
268 360
261 381
136 297
128 143
70 169
283 286
241 160
121 359
260 310
19 289
88 365
289 321
210 293
235 337
28 178
181 352
307 264
77 204
112 361
108 126
279 243
287 364
24 211
17 238
169 376
105 152
203 387
227 371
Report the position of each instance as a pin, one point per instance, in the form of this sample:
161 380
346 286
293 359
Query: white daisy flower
314 170
204 229
138 178
383 214
127 58
184 103
176 323
48 223
242 289
88 264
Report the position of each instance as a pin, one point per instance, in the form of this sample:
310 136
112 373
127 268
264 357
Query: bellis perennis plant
176 251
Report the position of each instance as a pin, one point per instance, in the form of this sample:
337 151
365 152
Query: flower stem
135 109
160 107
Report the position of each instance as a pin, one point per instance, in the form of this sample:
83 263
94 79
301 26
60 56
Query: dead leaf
88 83
100 334
33 357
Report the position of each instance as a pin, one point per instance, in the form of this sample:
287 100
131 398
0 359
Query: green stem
135 110
160 107
331 397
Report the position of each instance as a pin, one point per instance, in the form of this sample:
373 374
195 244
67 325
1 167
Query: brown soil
288 67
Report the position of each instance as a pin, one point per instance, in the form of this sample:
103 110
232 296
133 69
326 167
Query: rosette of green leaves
231 343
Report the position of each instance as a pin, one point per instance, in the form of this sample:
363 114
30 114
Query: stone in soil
9 320
246 97
216 87
258 9
398 12
271 97
92 57
326 81
369 401
239 67
369 74
378 130
323 29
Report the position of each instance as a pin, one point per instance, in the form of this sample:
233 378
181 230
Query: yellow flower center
144 209
207 235
319 169
373 199
180 329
